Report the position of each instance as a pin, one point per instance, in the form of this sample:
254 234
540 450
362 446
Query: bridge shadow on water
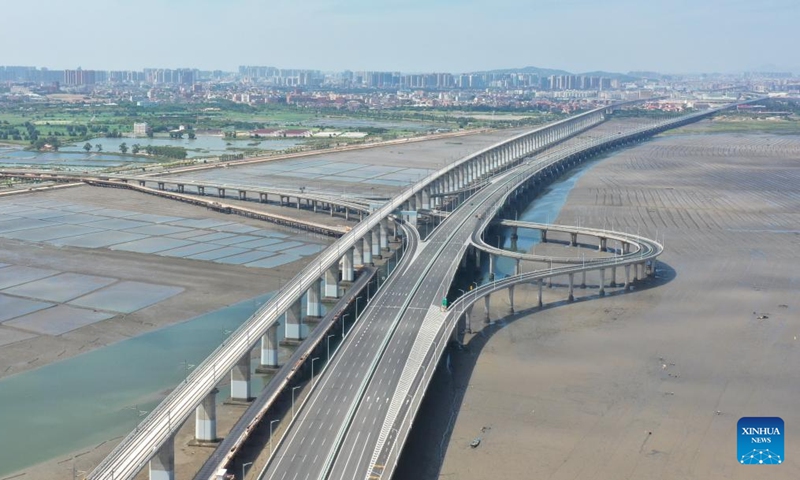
430 437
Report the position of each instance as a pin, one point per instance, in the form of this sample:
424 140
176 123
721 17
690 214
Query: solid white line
355 442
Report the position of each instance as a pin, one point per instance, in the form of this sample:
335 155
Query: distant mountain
542 72
644 74
622 77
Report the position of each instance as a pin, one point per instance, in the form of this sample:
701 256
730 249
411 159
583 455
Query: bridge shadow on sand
430 437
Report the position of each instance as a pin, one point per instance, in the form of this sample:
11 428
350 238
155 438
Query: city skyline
414 36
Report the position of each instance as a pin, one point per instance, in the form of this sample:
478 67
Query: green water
73 405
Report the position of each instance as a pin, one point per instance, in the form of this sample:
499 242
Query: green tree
135 148
98 147
192 136
123 147
87 146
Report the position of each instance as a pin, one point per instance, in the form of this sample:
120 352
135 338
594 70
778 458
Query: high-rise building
79 77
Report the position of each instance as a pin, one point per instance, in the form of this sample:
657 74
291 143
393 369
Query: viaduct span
430 271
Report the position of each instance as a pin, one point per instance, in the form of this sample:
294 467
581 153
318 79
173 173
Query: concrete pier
366 253
162 465
571 296
486 306
313 305
348 272
269 349
240 380
602 282
384 230
541 287
293 322
627 277
511 299
205 426
332 282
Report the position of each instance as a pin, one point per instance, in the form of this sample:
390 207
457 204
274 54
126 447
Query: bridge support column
293 322
571 296
514 238
332 281
221 192
602 246
162 465
269 348
544 236
366 252
517 267
602 282
573 239
426 199
486 305
511 300
583 279
384 229
242 194
357 258
376 242
348 274
541 287
627 285
181 188
240 380
262 197
161 185
613 277
313 305
491 266
205 419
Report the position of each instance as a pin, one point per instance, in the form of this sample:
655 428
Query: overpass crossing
411 313
153 439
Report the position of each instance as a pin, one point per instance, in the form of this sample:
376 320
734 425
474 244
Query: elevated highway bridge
375 378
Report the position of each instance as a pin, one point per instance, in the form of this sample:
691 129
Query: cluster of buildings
441 81
527 88
80 77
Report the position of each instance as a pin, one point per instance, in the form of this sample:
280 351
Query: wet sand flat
649 384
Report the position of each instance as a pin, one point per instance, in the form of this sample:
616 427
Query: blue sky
673 36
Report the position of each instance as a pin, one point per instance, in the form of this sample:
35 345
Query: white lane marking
352 449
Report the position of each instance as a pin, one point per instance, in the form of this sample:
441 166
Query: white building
140 129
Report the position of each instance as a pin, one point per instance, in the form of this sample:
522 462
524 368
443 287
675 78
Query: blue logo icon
760 440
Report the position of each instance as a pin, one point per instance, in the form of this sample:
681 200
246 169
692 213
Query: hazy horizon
684 36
